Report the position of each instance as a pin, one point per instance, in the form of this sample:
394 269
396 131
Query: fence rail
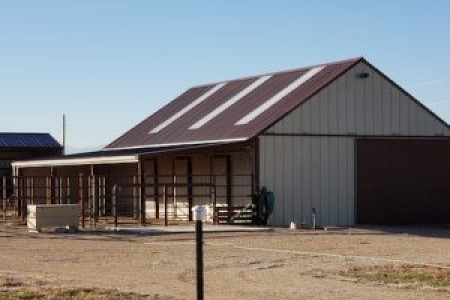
106 199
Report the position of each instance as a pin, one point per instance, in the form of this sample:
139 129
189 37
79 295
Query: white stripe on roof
187 108
218 110
278 96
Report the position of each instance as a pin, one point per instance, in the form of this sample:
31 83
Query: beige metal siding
370 106
306 173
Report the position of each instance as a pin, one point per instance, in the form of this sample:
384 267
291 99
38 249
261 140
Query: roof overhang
122 159
180 144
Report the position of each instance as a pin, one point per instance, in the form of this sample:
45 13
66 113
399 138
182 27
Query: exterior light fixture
363 75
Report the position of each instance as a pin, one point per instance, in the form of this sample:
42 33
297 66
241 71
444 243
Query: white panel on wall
306 173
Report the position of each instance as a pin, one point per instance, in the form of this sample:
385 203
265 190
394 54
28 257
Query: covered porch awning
102 157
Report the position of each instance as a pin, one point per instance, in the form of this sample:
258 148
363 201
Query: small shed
340 143
24 146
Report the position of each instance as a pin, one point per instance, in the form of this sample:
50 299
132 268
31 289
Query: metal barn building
340 139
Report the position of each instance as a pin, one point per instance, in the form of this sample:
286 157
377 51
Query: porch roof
124 156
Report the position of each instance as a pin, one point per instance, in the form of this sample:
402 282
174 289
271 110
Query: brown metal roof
183 112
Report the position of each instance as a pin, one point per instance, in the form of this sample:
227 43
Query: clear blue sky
109 64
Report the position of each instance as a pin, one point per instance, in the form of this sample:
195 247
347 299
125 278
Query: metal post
135 201
4 197
47 190
68 190
114 203
229 188
4 187
142 193
32 190
80 196
4 210
190 181
214 201
166 221
94 201
89 199
24 201
155 188
199 248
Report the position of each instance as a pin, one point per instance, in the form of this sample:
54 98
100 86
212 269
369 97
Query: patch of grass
403 274
21 294
30 293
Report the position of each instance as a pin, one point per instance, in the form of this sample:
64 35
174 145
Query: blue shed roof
28 140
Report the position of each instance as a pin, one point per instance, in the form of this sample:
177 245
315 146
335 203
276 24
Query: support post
229 188
189 188
4 209
199 251
166 221
89 198
214 201
155 187
47 190
114 203
24 200
32 190
81 198
4 197
142 192
52 187
16 191
4 188
68 190
135 202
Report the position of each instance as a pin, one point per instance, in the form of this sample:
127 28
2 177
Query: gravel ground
282 264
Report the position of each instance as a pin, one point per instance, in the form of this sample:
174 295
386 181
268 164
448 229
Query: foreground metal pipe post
199 248
166 222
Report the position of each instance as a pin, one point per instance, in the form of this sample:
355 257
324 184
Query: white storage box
45 216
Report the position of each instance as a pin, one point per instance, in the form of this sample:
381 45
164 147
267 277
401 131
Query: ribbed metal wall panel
306 173
371 106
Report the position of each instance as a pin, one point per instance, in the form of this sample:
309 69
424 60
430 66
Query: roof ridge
354 59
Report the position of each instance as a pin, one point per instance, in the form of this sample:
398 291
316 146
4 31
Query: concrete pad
189 229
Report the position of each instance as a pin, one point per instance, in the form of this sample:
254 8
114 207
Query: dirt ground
282 264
